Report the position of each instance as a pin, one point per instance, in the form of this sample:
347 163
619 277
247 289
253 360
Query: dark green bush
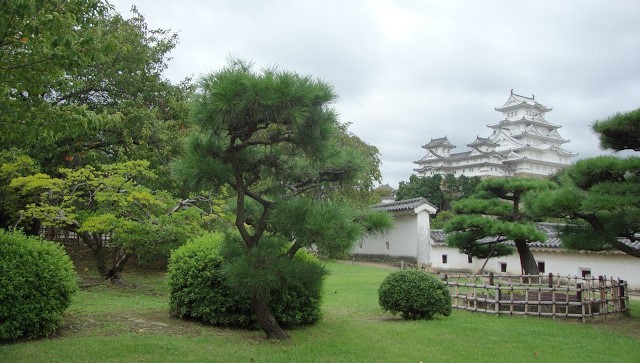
37 279
414 294
200 288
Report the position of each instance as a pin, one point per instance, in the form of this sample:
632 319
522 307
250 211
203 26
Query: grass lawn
131 324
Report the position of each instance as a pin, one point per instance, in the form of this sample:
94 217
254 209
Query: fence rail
65 237
550 295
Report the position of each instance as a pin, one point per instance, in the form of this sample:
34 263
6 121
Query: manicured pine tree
495 211
273 138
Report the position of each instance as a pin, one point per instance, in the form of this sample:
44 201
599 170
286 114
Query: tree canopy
273 138
620 131
438 190
600 197
494 215
79 84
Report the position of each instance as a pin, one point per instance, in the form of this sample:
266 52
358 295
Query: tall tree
274 139
428 187
600 197
438 190
495 211
81 84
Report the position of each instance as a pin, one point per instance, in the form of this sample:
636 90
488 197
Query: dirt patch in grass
623 325
111 324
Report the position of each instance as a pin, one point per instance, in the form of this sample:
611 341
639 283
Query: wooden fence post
498 298
550 280
580 299
623 297
491 278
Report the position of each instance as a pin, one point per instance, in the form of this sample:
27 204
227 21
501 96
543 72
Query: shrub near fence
540 295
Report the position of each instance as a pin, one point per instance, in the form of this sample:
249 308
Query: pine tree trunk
527 261
266 320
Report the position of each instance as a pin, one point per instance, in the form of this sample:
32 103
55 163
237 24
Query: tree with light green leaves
111 210
273 138
600 197
82 85
494 215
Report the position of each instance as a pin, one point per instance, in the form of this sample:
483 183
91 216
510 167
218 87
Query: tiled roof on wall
401 205
438 236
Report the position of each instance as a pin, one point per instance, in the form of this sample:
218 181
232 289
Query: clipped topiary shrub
199 289
414 294
37 280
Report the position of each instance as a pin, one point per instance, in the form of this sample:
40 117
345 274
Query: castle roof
516 101
482 141
439 142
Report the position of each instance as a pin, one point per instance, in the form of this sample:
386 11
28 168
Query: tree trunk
99 254
119 260
527 261
266 320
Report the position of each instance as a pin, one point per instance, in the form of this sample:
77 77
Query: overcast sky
409 71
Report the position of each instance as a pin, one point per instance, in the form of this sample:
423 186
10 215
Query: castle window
444 259
503 267
387 244
469 259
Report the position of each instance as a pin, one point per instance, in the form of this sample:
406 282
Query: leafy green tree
427 187
600 196
13 164
79 85
111 210
495 211
272 137
441 219
438 190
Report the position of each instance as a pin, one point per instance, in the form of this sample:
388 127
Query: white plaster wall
423 230
403 240
616 265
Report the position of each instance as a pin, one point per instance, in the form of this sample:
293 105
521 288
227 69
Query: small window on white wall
387 244
503 267
585 272
469 259
541 266
444 259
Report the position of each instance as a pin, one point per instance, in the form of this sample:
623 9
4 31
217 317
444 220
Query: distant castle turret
524 143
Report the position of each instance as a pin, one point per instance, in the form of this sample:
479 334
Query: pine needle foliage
300 179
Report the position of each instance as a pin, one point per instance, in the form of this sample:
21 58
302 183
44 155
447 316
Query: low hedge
200 289
415 295
37 280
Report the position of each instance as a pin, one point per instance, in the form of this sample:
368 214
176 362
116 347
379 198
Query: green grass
131 323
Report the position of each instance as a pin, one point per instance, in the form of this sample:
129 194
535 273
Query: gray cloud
414 70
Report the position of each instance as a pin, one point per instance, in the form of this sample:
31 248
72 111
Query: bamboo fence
549 295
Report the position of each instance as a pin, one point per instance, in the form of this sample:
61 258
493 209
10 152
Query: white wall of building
557 261
401 241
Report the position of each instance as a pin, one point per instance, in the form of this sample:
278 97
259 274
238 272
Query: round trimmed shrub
414 294
199 289
37 280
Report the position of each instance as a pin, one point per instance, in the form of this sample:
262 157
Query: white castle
524 143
